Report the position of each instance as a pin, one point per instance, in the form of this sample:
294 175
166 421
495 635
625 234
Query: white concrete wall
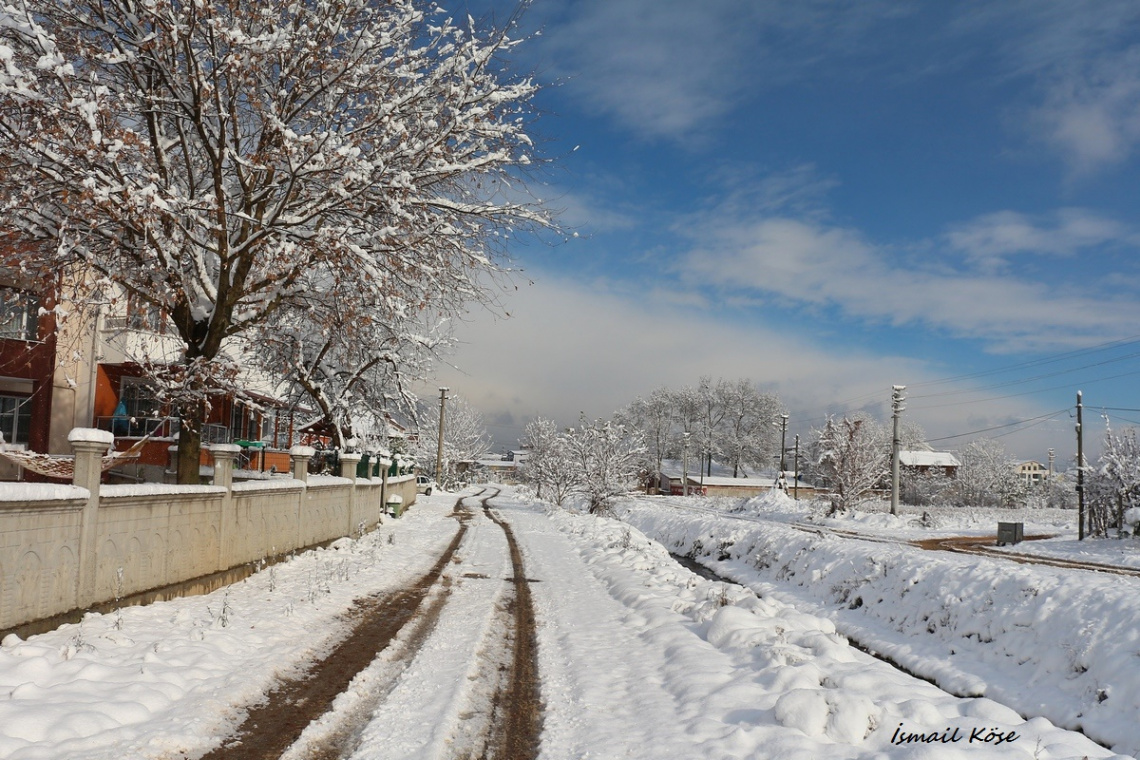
146 536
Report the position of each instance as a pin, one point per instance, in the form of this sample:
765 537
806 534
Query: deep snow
1063 644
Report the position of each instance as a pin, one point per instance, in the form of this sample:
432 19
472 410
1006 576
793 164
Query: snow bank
1047 642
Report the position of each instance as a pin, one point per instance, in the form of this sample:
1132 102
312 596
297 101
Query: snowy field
638 657
1057 643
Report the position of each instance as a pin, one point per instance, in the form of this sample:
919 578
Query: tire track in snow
518 704
272 726
496 710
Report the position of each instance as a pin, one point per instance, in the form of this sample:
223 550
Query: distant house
498 470
1032 473
929 462
743 487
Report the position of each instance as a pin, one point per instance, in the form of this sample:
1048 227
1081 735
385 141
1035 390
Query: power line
1030 393
1035 362
810 419
1011 432
1031 379
998 427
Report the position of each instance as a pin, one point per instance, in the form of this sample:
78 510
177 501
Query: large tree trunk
190 445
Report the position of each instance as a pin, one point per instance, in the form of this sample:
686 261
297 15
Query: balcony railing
158 427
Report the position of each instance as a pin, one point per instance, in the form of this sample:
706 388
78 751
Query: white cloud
672 69
570 348
589 216
814 264
661 70
1092 115
1083 57
991 239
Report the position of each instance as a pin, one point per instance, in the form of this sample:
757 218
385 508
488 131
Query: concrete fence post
385 465
225 454
301 456
89 446
348 463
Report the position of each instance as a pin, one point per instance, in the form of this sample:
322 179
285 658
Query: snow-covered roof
501 464
928 459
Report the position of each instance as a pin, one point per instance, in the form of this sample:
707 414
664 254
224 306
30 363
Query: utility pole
896 405
1080 471
685 465
783 444
796 481
439 447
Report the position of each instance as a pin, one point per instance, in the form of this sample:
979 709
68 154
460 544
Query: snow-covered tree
912 436
609 457
853 457
1113 486
988 476
652 418
341 360
465 437
922 489
204 157
748 435
712 416
549 466
686 442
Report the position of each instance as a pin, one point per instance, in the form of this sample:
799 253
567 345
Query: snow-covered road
637 658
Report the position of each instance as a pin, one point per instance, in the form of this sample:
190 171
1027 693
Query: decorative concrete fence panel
325 514
39 549
264 521
66 548
368 505
153 535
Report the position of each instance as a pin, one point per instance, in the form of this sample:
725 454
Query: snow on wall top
90 435
41 492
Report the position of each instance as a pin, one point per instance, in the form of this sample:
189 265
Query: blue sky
830 198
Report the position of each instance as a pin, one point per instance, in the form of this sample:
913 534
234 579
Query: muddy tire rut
397 625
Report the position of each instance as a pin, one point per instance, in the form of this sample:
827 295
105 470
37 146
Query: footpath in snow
638 658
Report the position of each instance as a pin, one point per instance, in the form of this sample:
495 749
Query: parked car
425 485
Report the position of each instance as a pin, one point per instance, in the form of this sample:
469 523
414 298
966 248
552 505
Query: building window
138 397
245 422
15 418
19 314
